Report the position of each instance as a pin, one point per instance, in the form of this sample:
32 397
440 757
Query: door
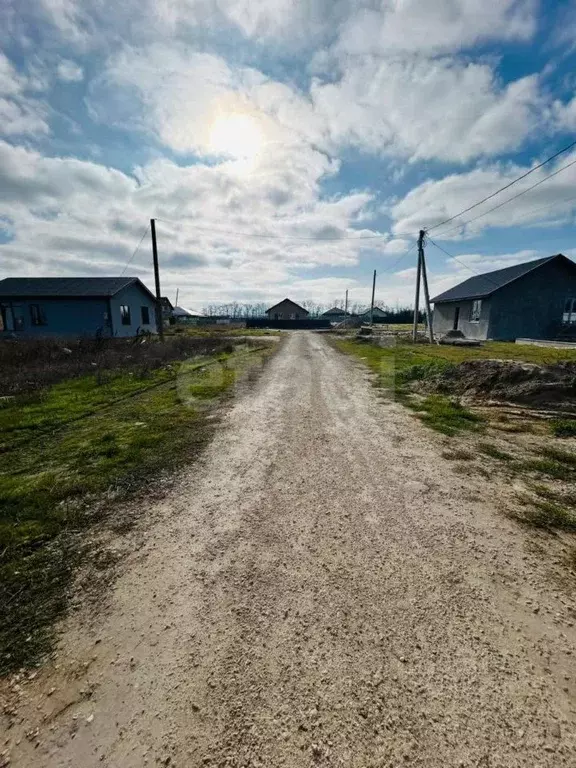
456 318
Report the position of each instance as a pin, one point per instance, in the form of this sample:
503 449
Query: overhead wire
135 250
478 274
505 187
509 200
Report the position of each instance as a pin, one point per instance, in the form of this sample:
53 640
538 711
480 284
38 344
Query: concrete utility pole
372 304
159 319
417 296
425 284
346 304
176 302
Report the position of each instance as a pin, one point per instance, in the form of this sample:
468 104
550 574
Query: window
569 316
145 315
125 314
37 315
476 311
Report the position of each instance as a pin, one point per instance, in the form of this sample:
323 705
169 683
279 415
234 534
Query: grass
445 415
563 427
548 515
495 453
67 450
457 454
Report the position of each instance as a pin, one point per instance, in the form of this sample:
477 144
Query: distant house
335 315
183 315
531 300
377 314
75 306
287 310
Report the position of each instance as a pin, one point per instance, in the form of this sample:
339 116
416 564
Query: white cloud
396 246
71 216
69 71
22 118
433 201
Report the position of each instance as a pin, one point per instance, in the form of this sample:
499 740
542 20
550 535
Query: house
75 306
335 315
377 314
183 315
286 310
531 300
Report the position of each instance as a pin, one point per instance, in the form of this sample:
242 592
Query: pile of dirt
552 386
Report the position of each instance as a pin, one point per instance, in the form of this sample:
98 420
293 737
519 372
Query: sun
237 135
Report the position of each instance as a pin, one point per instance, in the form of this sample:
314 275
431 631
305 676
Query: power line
507 186
510 199
283 237
135 250
478 274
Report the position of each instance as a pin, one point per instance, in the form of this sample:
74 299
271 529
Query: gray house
75 306
533 300
286 310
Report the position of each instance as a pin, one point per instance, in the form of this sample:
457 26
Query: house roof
183 312
66 287
480 286
291 302
334 311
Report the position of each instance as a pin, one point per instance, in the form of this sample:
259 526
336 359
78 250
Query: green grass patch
495 453
63 452
563 427
562 457
548 515
446 415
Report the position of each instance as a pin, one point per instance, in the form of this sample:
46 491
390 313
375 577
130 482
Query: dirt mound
550 386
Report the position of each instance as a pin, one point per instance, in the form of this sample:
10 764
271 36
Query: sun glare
237 135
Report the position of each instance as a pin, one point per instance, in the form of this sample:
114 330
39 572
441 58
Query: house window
145 315
476 311
569 316
37 315
125 314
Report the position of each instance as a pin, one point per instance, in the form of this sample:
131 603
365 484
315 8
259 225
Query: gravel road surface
321 589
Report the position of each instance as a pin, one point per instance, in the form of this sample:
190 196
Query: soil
322 590
552 386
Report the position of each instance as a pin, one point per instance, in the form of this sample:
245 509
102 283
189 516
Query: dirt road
322 590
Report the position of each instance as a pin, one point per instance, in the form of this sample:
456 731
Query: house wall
64 317
287 308
135 298
532 306
443 318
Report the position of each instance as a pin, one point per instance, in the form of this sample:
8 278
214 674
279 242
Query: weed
458 454
547 515
546 467
446 415
495 453
560 456
563 427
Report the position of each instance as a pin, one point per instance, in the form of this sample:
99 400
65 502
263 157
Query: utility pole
159 319
346 305
177 291
417 297
372 304
425 284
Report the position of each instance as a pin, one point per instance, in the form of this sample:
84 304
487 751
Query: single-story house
75 306
335 315
531 300
377 314
287 310
184 315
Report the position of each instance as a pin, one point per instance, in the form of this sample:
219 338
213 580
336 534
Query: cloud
69 71
22 118
68 215
433 201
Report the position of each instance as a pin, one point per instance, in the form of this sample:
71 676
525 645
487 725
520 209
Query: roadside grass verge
445 415
547 515
67 453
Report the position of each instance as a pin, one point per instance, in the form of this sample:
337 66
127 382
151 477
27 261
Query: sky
285 148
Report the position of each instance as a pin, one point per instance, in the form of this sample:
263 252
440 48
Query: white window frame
569 314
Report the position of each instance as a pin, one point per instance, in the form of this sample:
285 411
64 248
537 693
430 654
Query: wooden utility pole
372 304
425 284
159 319
417 296
346 304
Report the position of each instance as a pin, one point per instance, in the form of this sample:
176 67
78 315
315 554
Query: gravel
319 590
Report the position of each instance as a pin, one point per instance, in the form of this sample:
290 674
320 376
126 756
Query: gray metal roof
479 286
291 302
54 287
